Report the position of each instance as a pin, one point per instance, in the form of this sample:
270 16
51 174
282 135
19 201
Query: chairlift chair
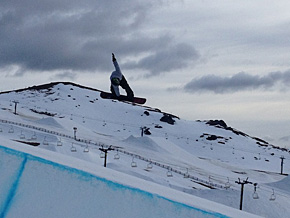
73 149
169 173
59 143
34 137
11 130
273 196
228 184
117 156
86 149
149 166
255 195
133 163
45 142
102 154
22 136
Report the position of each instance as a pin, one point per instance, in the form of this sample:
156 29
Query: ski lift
186 175
22 136
273 196
1 130
11 130
228 185
45 142
84 120
169 173
34 137
102 154
117 156
149 166
59 143
133 163
86 149
73 148
255 194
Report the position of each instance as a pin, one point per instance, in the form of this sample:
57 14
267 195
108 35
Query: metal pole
242 190
15 108
282 163
105 161
242 194
105 150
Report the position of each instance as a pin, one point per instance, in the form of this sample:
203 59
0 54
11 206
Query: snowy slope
199 158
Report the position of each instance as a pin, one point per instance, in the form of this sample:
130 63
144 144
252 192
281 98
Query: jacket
116 74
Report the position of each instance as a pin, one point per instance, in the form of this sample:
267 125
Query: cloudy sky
197 59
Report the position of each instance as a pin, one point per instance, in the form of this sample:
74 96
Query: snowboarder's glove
113 57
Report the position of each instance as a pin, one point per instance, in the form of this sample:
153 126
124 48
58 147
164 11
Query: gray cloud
238 82
166 59
65 75
42 35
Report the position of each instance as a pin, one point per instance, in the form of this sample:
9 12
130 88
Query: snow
70 173
56 190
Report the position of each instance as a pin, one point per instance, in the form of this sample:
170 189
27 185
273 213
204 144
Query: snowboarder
118 79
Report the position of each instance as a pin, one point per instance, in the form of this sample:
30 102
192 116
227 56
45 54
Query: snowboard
137 100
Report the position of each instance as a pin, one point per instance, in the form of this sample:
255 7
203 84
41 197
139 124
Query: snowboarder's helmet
115 81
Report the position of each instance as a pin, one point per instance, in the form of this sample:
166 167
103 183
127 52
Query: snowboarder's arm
115 63
113 57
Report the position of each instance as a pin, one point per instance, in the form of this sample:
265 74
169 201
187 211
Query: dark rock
146 113
212 137
167 119
147 132
217 123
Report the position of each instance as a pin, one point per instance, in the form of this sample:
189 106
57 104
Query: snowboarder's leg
124 84
113 92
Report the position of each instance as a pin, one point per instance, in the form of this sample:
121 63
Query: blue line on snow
85 175
13 188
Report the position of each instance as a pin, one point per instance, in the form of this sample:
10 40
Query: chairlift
133 163
169 173
117 156
255 195
0 129
59 143
86 149
227 184
102 154
22 136
44 141
273 196
73 148
149 166
34 137
186 175
11 130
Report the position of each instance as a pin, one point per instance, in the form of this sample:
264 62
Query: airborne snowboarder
118 79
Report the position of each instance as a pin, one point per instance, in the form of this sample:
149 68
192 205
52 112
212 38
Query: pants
124 84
